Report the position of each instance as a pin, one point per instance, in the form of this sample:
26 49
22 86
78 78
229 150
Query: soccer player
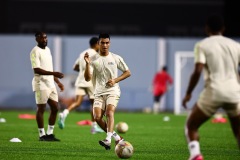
82 87
219 57
44 87
105 78
160 83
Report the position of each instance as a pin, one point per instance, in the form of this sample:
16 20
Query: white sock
50 129
65 113
41 132
109 136
156 107
194 148
116 136
94 124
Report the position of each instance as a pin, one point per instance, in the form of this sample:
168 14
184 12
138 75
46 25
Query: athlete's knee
97 118
109 113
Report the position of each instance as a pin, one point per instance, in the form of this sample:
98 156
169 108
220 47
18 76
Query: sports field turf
151 137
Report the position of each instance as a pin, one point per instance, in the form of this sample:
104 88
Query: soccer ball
122 127
124 149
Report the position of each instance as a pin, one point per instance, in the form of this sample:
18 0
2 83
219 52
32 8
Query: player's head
104 43
164 68
41 39
103 35
93 42
214 24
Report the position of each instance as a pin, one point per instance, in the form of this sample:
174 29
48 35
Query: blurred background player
82 87
103 70
44 87
161 83
219 58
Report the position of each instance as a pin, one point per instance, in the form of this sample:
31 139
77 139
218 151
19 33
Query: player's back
222 59
80 82
222 55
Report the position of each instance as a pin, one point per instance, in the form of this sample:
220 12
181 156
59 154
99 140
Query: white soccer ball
124 149
122 127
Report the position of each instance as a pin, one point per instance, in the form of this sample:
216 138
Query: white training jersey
80 81
104 69
42 58
221 57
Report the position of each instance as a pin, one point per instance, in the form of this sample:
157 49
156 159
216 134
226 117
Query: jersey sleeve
35 59
121 65
199 54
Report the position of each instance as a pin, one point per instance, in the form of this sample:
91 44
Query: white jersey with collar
42 58
80 81
104 69
221 57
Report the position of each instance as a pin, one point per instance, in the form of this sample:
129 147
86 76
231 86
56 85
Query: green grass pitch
151 137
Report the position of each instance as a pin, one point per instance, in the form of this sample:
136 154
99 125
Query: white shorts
210 107
82 91
42 96
104 100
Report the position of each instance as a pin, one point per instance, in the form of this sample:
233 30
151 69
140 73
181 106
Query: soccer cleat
51 137
43 138
96 129
120 140
105 143
198 157
61 121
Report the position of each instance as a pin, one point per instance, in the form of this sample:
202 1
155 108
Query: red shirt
160 82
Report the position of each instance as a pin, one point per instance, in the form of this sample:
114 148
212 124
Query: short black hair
93 41
164 68
104 35
39 33
215 22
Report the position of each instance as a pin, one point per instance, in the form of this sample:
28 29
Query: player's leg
156 104
95 128
111 102
80 93
40 120
110 123
194 121
98 113
41 101
233 111
74 105
53 104
235 125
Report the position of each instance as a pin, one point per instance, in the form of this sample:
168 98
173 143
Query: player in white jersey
104 74
218 57
44 87
82 87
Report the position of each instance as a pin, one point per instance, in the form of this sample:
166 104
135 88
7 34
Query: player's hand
61 86
58 74
110 83
86 58
185 100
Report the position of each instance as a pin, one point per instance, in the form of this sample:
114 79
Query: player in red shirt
160 86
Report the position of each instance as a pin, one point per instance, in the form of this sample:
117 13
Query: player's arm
44 72
123 76
76 67
87 72
60 85
193 82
